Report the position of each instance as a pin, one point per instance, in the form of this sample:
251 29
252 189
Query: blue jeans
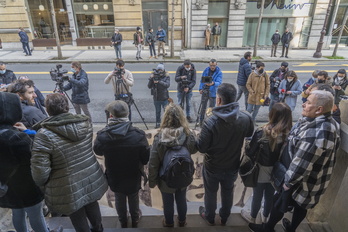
253 109
152 49
158 105
211 180
265 190
188 97
274 99
26 48
243 89
168 205
36 218
121 206
118 51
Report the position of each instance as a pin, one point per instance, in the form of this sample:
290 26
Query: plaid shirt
312 149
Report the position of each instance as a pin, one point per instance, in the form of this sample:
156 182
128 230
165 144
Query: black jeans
277 213
121 206
286 50
168 205
90 212
152 49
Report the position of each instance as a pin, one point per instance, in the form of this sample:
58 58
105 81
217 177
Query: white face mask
187 69
290 80
340 78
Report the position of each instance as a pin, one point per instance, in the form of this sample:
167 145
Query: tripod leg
136 107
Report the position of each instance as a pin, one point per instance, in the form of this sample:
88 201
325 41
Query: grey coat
64 164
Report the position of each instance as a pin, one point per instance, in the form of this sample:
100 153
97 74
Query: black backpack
177 167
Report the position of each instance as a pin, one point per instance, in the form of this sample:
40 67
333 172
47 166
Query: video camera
254 63
207 80
119 72
58 75
277 82
157 74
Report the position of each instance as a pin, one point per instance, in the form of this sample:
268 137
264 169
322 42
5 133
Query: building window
95 19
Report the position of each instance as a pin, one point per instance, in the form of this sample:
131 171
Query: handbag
249 169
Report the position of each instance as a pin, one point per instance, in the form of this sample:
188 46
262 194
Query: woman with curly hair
266 144
174 131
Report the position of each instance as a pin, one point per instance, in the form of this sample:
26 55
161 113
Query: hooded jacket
31 114
64 164
15 153
258 87
244 71
343 85
167 137
160 90
126 151
217 79
222 137
8 77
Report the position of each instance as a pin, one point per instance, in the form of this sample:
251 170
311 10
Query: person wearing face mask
339 84
275 79
289 89
6 76
258 85
138 42
323 78
78 83
310 82
122 80
186 78
275 41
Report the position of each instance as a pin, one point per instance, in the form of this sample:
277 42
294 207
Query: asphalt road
101 94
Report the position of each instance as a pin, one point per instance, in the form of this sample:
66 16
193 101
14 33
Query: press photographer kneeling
159 83
186 78
122 80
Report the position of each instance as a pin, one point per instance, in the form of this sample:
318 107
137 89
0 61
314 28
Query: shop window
95 19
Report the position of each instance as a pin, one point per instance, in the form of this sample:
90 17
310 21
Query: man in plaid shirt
311 150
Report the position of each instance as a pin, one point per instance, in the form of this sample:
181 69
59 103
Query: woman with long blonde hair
265 146
174 131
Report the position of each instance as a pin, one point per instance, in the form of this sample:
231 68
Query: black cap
285 64
138 28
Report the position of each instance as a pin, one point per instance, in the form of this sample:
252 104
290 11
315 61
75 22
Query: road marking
317 65
171 91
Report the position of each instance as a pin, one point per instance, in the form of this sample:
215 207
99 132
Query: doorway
223 23
155 13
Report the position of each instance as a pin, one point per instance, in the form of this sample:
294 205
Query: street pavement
107 54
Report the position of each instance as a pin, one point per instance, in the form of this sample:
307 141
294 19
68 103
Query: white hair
324 99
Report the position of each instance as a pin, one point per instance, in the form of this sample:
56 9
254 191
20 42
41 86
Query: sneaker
58 229
189 119
281 56
165 224
246 216
150 57
263 218
140 58
286 225
136 222
286 57
155 57
202 214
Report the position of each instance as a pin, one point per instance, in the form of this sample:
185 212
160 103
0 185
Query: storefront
336 22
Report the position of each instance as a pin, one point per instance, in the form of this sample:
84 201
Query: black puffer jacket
222 137
8 77
160 90
191 77
79 85
15 153
63 162
31 115
126 151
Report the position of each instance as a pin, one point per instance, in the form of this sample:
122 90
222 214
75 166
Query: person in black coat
275 41
79 85
275 79
116 41
286 39
126 151
186 78
6 76
23 196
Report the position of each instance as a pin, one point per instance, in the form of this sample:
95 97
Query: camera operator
6 77
78 83
186 78
122 80
275 79
215 73
159 83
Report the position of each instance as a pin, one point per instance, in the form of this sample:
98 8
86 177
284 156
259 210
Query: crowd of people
50 154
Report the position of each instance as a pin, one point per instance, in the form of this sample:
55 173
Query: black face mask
321 81
261 70
282 69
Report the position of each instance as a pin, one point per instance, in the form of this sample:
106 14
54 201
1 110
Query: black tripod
59 89
183 99
202 106
129 100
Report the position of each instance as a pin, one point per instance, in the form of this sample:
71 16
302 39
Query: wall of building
236 23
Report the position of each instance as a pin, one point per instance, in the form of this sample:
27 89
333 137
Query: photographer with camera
275 79
6 77
186 78
159 83
78 83
122 80
214 74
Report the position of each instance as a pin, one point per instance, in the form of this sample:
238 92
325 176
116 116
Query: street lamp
317 53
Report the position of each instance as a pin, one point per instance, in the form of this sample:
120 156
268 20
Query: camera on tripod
184 82
157 74
59 75
277 82
207 80
254 63
119 73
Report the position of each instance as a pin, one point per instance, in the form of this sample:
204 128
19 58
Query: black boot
206 47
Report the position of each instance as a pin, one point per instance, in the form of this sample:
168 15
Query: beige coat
258 87
207 36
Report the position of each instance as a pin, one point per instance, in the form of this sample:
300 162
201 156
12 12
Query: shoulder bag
249 169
